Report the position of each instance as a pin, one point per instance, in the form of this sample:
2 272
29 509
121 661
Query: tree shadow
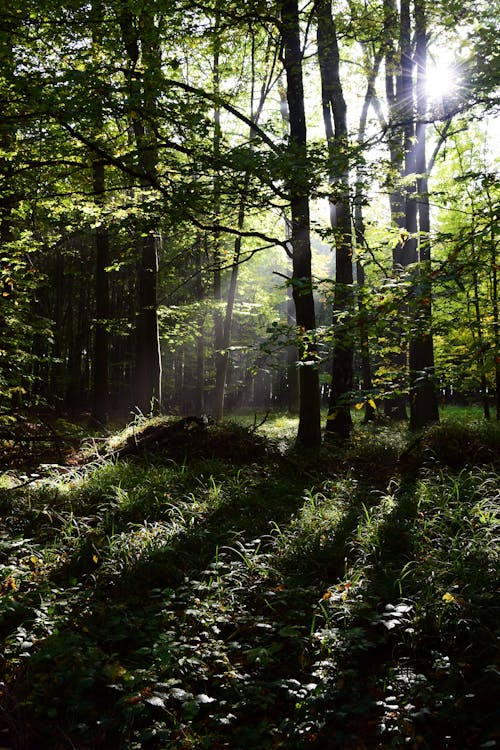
101 619
217 603
407 672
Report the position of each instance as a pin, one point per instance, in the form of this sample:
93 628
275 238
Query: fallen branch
255 425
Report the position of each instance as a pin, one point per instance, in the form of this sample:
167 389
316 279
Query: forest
249 374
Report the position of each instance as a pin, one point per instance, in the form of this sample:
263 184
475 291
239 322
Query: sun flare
441 82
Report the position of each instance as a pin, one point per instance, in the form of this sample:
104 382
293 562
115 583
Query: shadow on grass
174 575
250 602
418 631
117 606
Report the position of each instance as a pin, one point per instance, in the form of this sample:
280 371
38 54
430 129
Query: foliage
95 76
261 599
466 266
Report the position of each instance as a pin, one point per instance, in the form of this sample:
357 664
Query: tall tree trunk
292 357
339 421
309 430
494 297
292 375
359 229
199 393
423 399
220 364
101 325
140 37
228 321
395 405
7 142
102 306
477 329
77 324
409 242
56 381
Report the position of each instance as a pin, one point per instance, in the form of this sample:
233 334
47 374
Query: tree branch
225 105
154 183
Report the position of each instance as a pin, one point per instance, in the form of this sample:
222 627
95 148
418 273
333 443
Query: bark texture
309 430
339 421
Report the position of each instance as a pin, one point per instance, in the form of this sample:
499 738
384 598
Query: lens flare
441 82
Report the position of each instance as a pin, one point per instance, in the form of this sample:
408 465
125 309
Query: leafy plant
284 602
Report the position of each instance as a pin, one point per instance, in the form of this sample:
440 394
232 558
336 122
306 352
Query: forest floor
219 589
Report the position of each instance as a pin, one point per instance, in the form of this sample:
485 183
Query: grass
256 598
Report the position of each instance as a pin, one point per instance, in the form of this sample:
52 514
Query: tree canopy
173 175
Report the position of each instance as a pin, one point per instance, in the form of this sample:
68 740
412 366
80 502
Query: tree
395 404
423 399
309 430
372 66
410 205
467 352
141 42
20 154
8 200
339 420
100 405
121 190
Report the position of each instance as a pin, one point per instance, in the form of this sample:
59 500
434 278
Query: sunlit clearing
441 83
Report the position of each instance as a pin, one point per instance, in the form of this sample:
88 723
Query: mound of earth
195 437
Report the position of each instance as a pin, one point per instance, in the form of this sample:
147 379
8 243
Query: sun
441 82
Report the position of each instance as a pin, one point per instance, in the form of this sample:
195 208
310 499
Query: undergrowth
255 599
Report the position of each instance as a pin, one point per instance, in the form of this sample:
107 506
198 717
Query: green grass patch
256 597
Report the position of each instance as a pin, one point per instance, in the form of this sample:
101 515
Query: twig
255 425
25 484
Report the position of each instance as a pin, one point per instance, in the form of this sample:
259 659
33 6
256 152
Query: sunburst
442 81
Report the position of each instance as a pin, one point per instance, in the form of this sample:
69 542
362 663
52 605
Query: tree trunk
142 31
7 145
100 368
101 331
359 229
309 430
7 202
147 362
409 252
339 421
199 393
395 405
423 400
219 358
478 328
494 299
78 324
292 375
